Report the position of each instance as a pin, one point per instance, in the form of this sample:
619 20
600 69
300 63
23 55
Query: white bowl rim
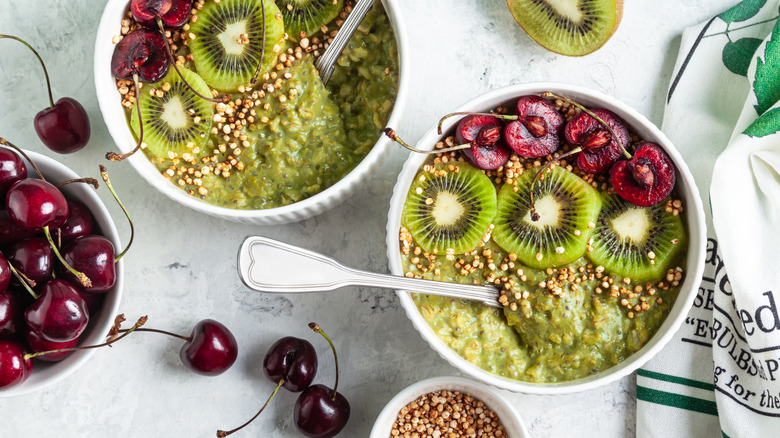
98 329
496 401
113 115
695 224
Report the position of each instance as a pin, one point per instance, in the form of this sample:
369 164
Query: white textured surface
182 268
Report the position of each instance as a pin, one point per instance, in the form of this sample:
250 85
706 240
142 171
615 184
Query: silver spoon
267 265
327 60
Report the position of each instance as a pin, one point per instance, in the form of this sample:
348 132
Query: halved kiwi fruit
229 38
169 116
308 15
566 204
639 243
448 212
571 27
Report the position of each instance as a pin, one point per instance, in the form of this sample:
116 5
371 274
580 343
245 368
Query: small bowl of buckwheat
448 406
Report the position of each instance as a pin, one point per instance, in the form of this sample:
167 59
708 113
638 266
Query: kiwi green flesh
219 58
463 205
625 234
169 120
308 15
565 203
573 28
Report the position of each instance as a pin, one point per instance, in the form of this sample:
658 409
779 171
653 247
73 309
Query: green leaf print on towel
767 82
768 123
742 11
738 54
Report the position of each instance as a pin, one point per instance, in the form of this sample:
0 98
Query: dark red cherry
5 273
64 127
59 314
488 150
11 321
94 302
647 179
38 344
599 148
144 52
9 231
34 204
14 368
212 349
536 132
12 169
34 258
292 359
80 222
94 256
321 413
174 13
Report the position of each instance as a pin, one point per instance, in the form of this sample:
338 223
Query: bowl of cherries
60 269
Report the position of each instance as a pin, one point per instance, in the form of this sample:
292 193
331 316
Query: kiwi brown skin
618 17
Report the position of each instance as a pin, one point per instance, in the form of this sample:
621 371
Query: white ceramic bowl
695 226
493 399
45 373
114 116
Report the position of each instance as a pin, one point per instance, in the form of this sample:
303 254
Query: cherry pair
291 363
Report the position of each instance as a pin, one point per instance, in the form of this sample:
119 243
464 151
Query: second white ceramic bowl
116 121
46 374
694 222
513 425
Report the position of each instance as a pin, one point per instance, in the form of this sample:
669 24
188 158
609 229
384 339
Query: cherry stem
222 433
85 281
141 321
26 282
314 326
5 142
183 338
534 215
113 156
262 49
104 175
468 113
224 98
393 136
45 72
590 113
87 180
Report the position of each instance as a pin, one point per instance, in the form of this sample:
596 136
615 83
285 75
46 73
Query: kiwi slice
566 206
636 242
174 118
573 28
308 15
229 39
449 211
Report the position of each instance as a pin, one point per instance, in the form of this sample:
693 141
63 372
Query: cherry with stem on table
64 126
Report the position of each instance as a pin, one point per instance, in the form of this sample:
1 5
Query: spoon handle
267 265
327 61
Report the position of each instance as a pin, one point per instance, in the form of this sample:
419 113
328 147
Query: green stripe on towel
675 379
676 400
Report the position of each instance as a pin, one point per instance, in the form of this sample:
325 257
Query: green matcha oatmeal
558 323
286 138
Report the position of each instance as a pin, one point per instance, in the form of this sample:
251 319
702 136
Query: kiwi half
229 39
573 27
448 212
636 242
308 15
169 117
566 205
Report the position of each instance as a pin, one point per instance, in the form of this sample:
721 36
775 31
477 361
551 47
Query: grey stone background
182 267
